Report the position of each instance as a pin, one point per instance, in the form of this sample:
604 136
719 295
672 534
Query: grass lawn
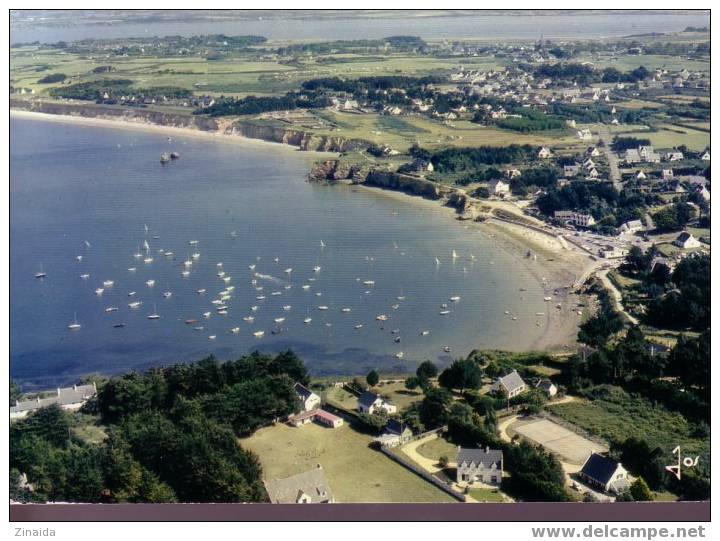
399 394
355 472
436 448
486 495
341 398
90 434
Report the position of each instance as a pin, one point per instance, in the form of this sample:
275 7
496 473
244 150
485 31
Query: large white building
575 218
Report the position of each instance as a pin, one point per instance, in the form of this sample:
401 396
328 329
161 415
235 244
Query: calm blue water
467 27
70 184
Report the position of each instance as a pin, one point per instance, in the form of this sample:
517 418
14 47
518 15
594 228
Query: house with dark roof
309 399
603 473
395 433
479 465
68 398
686 240
547 386
370 403
306 487
510 385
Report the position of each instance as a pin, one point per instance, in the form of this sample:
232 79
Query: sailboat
146 246
437 261
454 254
322 244
154 315
41 274
74 326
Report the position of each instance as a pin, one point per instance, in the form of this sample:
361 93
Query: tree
443 461
372 378
412 383
426 371
461 374
641 491
434 407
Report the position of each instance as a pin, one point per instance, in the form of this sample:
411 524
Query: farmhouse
510 385
483 465
68 398
604 473
512 173
686 240
609 251
309 399
370 403
307 487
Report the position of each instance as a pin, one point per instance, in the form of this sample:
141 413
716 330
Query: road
611 157
616 295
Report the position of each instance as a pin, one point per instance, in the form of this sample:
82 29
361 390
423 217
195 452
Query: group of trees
685 301
600 199
253 105
171 435
673 217
452 160
112 90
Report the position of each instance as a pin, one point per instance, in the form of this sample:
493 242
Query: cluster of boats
221 302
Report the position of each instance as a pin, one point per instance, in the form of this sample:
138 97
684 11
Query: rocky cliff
130 114
302 140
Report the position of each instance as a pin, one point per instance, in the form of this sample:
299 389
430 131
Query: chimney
487 448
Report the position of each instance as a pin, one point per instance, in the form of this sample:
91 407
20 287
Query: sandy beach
147 127
558 267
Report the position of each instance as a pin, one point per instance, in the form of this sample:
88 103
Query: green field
667 136
355 472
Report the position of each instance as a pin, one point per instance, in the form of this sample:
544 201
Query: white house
686 240
68 398
370 403
631 226
309 399
575 218
544 153
604 473
498 187
510 385
547 386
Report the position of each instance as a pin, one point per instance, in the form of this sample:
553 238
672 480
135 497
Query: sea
84 200
556 26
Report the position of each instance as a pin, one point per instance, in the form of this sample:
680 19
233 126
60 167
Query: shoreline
561 328
556 267
150 127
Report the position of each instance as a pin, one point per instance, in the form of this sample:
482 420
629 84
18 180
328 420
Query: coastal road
611 157
616 294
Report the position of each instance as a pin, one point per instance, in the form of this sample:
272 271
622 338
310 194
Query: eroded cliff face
339 170
130 114
302 140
